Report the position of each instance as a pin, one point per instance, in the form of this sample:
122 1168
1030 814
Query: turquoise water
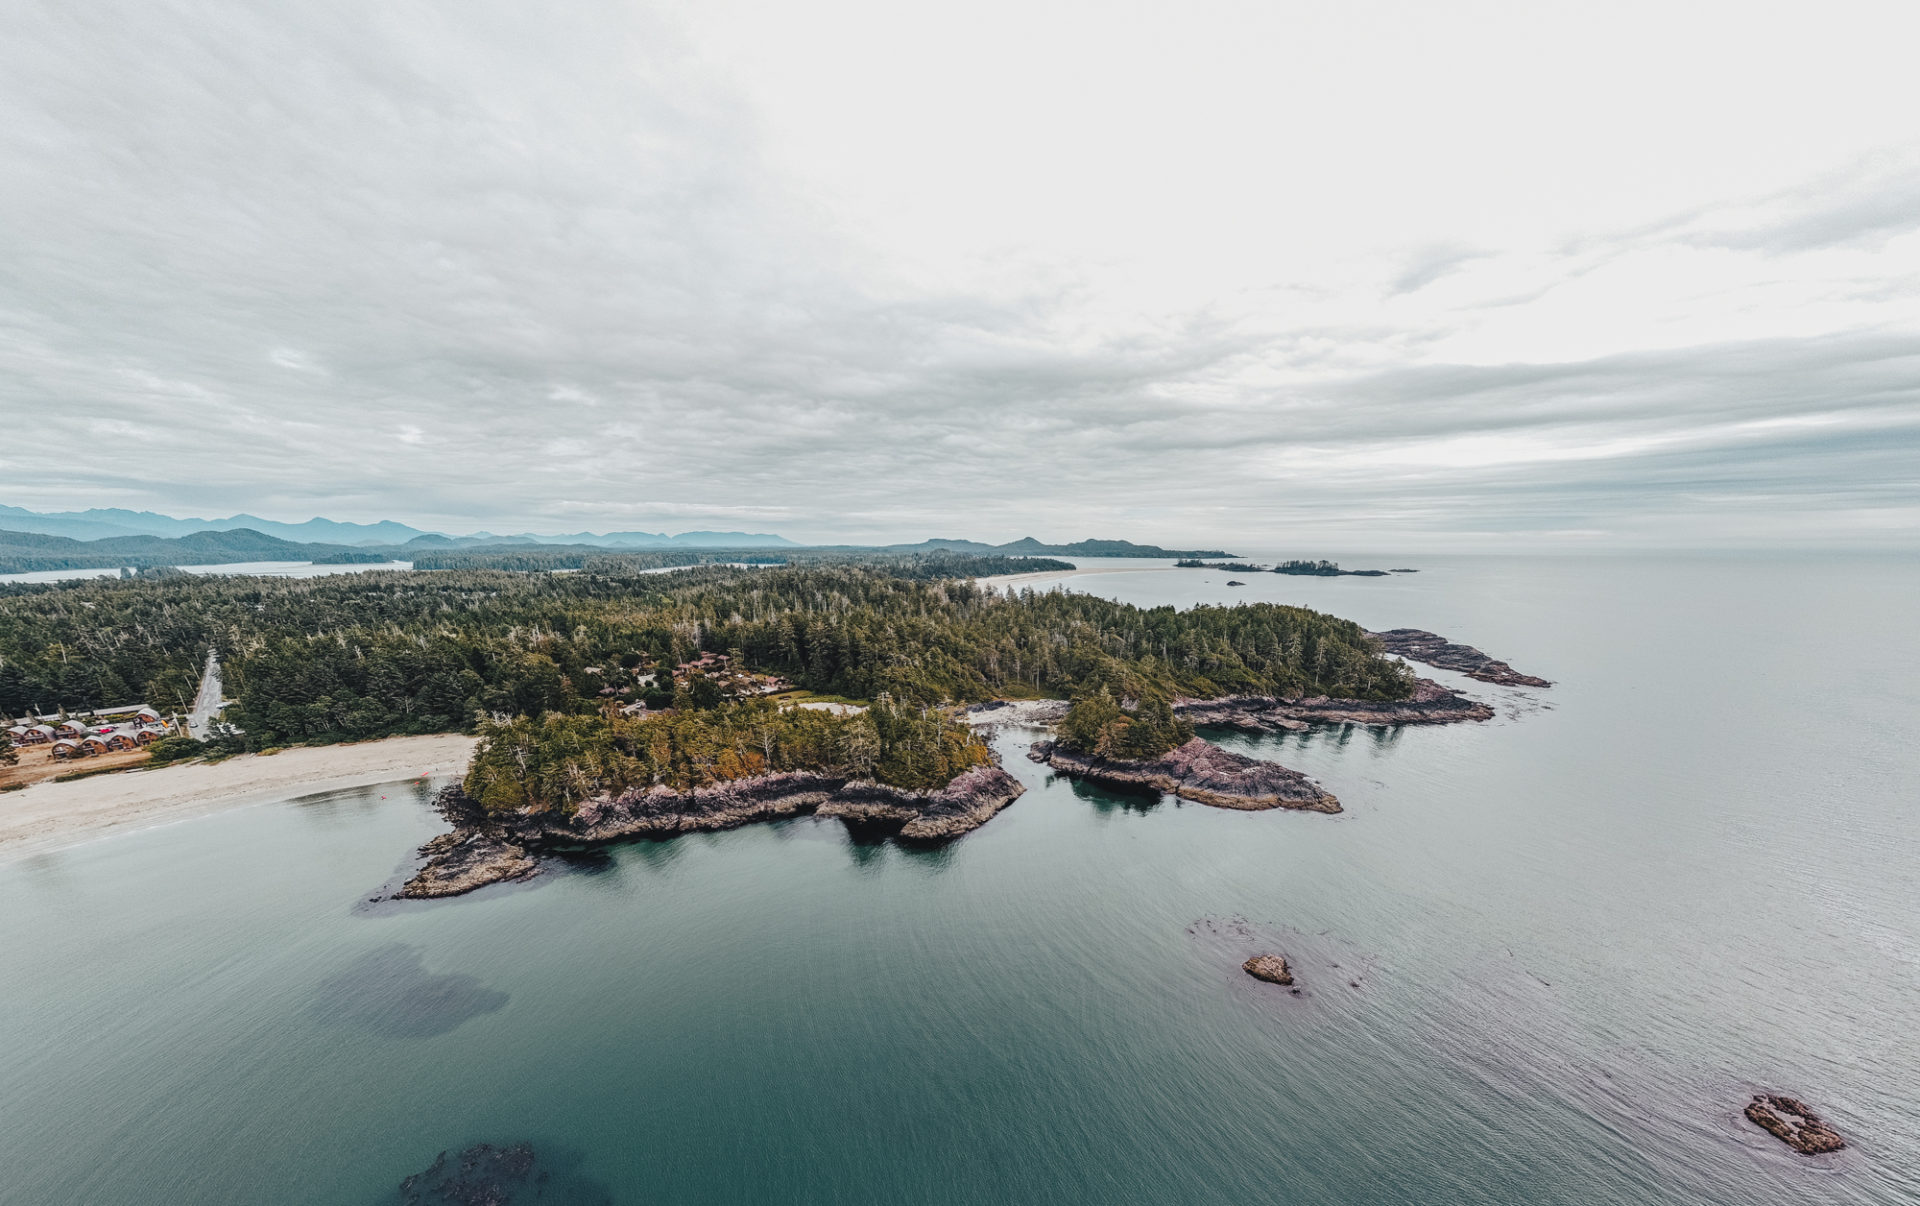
1582 934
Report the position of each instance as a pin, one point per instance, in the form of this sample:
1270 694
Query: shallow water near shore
1544 959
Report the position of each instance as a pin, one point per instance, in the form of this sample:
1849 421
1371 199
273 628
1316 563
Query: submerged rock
510 1175
1789 1120
1271 968
483 1175
1420 646
1200 771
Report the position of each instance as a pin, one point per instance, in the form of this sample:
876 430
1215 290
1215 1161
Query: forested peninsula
615 703
375 654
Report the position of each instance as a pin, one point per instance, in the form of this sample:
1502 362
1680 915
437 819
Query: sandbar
49 816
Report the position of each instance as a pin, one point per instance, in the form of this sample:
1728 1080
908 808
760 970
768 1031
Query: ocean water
258 569
1545 959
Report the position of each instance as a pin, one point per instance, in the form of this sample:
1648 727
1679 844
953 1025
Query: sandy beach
48 816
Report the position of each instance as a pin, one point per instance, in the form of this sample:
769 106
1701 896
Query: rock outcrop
1431 704
1271 968
485 850
1200 771
1420 646
466 859
1789 1120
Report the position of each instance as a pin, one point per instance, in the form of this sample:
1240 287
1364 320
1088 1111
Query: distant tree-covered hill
28 552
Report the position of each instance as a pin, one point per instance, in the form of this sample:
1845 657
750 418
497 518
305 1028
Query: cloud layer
1386 278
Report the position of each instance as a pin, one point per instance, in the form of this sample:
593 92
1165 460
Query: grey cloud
465 268
1863 208
1432 263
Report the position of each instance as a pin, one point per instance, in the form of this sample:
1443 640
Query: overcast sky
1412 276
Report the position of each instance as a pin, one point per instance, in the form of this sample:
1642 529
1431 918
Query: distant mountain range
111 538
100 523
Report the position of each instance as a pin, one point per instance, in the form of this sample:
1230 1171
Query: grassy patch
89 773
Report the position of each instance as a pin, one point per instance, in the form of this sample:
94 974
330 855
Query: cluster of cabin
85 737
734 684
716 668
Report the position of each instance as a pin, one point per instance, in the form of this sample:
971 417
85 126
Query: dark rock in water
1419 646
1789 1120
1431 704
1271 968
485 1175
1403 571
1198 770
1233 582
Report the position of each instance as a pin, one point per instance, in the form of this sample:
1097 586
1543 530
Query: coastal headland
484 849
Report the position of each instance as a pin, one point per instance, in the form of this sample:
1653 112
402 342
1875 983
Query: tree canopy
364 655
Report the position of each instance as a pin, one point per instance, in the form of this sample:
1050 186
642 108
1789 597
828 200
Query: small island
1310 569
1147 747
1793 1123
1271 968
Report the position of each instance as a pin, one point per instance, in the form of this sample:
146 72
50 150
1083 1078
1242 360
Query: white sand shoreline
51 816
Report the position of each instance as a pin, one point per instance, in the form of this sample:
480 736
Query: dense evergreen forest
557 760
1100 725
363 655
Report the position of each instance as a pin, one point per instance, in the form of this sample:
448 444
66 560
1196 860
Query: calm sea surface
1546 958
259 569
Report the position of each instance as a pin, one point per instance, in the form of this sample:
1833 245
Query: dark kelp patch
390 992
508 1175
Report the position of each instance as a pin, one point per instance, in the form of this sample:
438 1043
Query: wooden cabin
39 734
66 747
94 743
148 736
146 716
70 728
121 742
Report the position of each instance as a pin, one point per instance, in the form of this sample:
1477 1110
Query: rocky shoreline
1418 645
1198 771
484 850
1431 704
